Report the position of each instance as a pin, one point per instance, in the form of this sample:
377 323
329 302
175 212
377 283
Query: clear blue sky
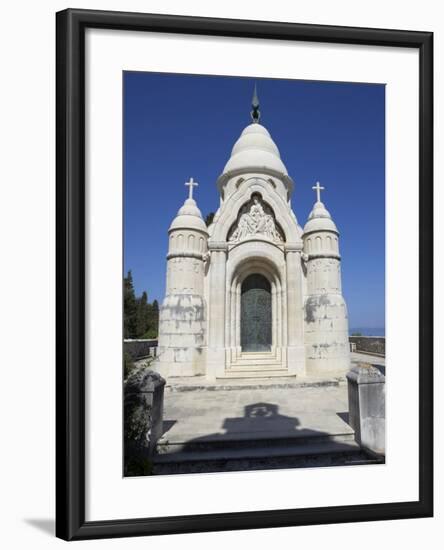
182 126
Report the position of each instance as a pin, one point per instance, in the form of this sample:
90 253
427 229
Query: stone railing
140 348
375 345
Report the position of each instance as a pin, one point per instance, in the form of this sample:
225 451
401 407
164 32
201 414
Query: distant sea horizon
365 331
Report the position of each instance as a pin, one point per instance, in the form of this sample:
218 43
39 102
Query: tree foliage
140 318
209 218
129 306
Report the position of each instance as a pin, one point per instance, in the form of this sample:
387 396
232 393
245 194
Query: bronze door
256 314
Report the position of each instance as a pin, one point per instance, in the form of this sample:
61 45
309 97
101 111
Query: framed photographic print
244 274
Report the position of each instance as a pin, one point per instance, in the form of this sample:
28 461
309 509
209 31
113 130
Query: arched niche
230 209
256 217
267 261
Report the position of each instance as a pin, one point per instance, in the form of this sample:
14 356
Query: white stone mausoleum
253 294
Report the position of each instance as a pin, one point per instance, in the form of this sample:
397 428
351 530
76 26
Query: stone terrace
267 421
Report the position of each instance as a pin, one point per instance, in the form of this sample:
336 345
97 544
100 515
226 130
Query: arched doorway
256 317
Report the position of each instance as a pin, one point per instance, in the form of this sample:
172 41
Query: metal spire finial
255 113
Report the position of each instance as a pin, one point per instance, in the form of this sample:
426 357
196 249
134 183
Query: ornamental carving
255 218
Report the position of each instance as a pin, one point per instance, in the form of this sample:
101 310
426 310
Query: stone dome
189 217
319 220
255 151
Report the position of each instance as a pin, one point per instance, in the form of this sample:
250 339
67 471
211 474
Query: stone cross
191 184
318 190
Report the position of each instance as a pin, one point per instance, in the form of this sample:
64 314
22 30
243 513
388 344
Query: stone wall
369 344
139 349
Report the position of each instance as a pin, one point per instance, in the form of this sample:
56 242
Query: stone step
273 365
258 449
269 371
222 384
243 440
257 362
254 354
253 357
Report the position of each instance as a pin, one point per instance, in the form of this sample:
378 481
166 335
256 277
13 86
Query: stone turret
326 322
182 320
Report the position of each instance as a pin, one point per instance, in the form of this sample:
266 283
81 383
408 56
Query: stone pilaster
295 328
216 317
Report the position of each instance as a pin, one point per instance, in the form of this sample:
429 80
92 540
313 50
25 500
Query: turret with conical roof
321 242
326 323
182 322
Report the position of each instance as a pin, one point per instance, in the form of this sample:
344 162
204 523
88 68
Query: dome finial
255 113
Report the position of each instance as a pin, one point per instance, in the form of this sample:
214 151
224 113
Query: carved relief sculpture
256 219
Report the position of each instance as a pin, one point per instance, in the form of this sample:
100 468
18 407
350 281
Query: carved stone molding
217 245
294 247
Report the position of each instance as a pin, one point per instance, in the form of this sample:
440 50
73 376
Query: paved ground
244 409
255 413
248 424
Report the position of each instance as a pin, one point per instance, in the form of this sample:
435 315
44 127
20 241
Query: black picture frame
70 277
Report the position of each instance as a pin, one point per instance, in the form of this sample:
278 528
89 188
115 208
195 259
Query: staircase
266 452
256 365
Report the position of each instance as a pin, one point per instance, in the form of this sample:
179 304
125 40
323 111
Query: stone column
274 316
217 294
232 321
366 402
295 330
238 318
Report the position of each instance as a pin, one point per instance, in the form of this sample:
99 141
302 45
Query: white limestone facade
254 294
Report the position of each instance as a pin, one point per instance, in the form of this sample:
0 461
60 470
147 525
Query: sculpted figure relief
255 220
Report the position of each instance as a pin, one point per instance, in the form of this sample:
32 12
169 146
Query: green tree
129 307
155 318
140 318
142 315
152 329
209 218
